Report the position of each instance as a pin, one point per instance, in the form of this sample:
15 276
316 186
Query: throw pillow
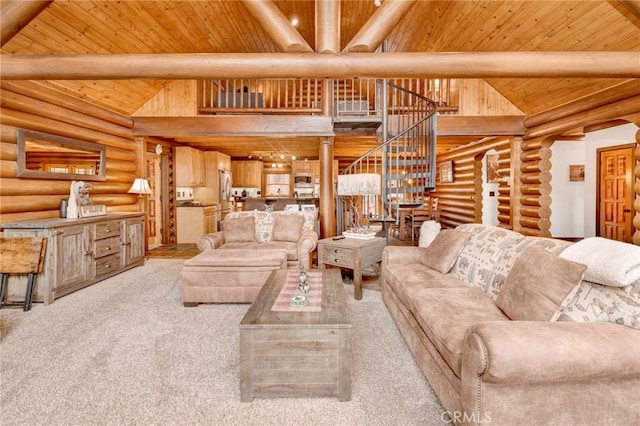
428 231
539 285
444 250
239 229
287 227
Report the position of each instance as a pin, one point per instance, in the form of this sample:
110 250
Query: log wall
460 202
636 188
534 184
32 106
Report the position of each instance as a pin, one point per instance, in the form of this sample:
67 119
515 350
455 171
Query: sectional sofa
508 331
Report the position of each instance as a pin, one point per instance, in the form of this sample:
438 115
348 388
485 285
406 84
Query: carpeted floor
125 351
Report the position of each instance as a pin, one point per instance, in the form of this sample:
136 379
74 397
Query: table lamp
141 187
359 186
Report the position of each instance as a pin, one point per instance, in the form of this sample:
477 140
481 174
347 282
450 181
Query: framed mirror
45 156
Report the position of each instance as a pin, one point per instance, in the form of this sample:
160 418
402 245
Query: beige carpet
125 351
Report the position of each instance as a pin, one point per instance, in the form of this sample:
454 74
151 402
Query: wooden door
615 193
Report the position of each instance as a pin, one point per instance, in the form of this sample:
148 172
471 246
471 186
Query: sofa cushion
244 245
511 253
289 247
445 314
287 228
538 284
444 250
408 279
239 229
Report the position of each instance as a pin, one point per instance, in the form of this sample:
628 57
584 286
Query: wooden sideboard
80 252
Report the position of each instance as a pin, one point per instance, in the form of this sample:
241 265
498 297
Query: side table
352 254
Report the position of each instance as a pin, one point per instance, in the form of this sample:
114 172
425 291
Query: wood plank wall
33 106
460 202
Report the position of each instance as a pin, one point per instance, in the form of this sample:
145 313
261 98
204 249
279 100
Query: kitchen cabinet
247 174
193 222
80 252
190 166
278 184
313 167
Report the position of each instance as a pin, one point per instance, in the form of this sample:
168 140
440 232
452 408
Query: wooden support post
277 26
636 188
327 194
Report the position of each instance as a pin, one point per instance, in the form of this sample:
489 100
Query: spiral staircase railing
404 159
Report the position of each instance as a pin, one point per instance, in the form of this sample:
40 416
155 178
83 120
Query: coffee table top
334 304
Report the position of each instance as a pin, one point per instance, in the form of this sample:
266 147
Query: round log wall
460 202
535 188
636 188
28 105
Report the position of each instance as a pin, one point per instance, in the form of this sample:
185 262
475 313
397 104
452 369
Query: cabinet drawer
338 256
107 229
107 265
106 246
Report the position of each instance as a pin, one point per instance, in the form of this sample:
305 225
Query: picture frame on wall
493 175
576 173
446 172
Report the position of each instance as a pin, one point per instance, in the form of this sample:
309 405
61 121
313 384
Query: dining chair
418 215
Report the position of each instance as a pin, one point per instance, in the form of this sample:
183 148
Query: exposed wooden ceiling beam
263 125
453 125
316 65
277 26
17 14
379 26
327 26
632 6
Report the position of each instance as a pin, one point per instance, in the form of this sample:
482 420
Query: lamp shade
359 184
140 186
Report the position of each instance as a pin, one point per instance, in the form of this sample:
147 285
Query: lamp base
359 236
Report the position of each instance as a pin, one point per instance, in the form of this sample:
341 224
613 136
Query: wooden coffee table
296 354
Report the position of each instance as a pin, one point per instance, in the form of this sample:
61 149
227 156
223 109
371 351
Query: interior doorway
154 200
614 216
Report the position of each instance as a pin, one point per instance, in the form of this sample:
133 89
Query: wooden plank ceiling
109 27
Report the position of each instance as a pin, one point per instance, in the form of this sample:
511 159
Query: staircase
404 158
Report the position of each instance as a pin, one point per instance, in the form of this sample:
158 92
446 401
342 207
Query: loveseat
508 332
293 232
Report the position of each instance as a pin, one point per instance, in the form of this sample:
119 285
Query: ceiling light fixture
294 21
377 3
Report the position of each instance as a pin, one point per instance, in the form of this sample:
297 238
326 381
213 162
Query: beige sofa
293 232
506 339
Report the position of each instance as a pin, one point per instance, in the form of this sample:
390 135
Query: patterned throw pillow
538 284
598 303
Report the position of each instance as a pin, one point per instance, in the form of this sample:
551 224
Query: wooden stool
21 256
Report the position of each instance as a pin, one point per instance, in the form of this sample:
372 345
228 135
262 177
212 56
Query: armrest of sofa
554 370
307 243
211 241
537 351
400 254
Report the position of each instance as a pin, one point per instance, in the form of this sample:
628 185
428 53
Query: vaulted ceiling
154 27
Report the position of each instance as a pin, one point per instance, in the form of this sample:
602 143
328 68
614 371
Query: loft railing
405 157
353 97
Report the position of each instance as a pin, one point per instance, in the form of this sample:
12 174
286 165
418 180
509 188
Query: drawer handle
107 230
336 260
108 248
108 265
336 250
89 253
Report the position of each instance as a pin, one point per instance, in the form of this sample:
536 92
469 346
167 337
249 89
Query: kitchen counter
278 203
